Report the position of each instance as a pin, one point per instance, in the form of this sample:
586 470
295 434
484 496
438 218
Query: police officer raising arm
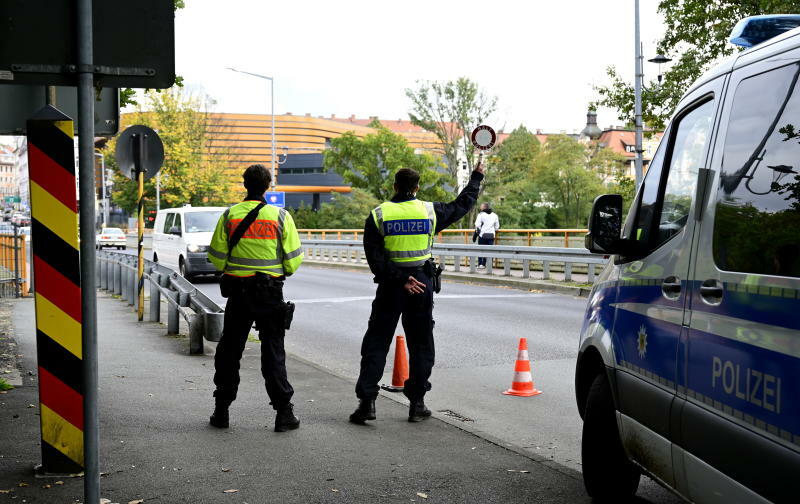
398 236
256 246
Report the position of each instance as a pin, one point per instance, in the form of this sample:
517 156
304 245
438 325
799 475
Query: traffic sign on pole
275 198
140 155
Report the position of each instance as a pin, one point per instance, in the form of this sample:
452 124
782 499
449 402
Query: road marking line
443 296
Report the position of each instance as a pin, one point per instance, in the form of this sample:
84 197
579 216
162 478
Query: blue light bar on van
754 30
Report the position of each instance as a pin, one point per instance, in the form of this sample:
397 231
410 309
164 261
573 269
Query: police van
689 357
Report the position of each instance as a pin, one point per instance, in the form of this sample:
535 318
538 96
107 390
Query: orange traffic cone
523 380
400 371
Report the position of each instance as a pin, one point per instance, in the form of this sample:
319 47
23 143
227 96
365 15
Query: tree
193 170
696 36
451 110
564 173
370 163
510 187
343 212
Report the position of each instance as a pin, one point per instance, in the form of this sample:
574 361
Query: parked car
20 219
181 237
111 237
690 346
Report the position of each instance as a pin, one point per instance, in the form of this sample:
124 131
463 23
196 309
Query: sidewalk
156 444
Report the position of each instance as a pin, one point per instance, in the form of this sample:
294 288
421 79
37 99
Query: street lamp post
272 116
637 102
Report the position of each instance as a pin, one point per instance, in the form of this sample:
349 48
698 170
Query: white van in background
181 237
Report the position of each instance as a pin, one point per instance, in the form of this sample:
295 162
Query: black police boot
285 419
364 412
219 418
417 411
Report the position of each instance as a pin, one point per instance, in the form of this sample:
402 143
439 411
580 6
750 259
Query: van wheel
608 475
183 270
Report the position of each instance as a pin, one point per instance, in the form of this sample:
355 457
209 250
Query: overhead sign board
19 103
276 198
134 43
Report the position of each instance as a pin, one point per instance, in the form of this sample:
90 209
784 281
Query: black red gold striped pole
56 270
140 231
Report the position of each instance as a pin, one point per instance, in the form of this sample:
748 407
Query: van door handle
711 291
671 287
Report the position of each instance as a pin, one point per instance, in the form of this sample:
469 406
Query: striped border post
140 242
56 270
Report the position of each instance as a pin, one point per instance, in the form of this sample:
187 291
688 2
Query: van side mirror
605 225
175 230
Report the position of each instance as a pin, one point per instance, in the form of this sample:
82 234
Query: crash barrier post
567 258
183 299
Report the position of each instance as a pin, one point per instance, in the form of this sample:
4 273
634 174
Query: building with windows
8 172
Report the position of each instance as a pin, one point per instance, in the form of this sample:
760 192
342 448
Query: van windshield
201 222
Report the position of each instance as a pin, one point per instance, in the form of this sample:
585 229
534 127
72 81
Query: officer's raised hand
480 168
414 286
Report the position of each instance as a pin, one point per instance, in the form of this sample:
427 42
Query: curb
494 281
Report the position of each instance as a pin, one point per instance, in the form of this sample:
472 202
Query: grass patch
252 338
4 385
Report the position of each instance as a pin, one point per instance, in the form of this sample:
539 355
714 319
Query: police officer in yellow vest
256 246
398 236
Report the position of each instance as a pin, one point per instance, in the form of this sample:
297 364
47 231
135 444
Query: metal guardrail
116 273
13 264
527 236
352 251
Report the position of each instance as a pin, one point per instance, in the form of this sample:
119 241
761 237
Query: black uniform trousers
391 302
247 303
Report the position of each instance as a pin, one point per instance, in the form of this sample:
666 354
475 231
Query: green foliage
193 172
344 212
370 163
695 37
564 172
451 110
510 187
4 385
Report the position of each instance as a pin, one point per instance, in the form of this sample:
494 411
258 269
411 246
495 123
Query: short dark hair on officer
257 178
406 180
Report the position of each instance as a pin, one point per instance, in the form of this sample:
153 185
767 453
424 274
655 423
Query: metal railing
116 273
523 237
13 265
352 251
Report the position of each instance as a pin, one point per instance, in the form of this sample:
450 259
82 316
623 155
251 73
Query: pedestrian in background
486 226
398 240
256 246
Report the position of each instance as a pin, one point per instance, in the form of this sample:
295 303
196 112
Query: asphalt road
477 333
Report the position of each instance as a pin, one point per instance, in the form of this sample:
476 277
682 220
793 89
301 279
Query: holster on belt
434 271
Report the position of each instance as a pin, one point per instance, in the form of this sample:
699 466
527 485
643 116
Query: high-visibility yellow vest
408 228
271 244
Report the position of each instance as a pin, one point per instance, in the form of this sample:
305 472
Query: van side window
758 203
670 183
686 158
168 222
635 228
177 222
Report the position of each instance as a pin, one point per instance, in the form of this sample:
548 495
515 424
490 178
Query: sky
540 59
